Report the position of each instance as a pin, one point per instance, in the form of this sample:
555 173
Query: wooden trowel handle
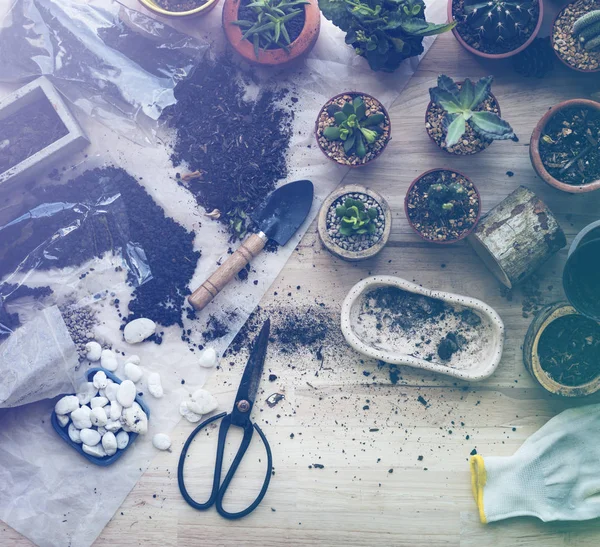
203 295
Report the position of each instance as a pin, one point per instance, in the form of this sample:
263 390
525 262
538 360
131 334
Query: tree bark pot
581 279
496 56
300 47
331 245
152 6
531 353
534 148
517 236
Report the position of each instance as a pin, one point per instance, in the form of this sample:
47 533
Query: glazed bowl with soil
562 351
581 279
179 8
335 225
442 206
564 147
303 32
337 150
398 322
567 47
494 46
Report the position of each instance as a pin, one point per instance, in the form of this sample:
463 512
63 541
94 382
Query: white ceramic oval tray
477 361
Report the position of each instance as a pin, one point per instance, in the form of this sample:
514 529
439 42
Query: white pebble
135 359
112 426
101 430
89 436
109 443
134 419
138 330
95 450
154 385
99 380
161 441
98 402
133 372
202 402
115 410
190 416
94 351
66 405
122 440
208 358
81 417
109 360
74 434
98 416
62 420
111 391
126 393
86 392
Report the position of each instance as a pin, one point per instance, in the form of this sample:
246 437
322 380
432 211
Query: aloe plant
460 105
587 30
353 127
269 29
355 218
442 198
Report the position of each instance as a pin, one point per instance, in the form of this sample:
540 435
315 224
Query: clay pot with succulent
464 118
353 129
496 29
271 32
576 35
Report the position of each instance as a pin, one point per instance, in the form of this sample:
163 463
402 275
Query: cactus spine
587 29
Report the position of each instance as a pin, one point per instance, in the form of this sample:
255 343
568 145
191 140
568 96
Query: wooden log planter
517 236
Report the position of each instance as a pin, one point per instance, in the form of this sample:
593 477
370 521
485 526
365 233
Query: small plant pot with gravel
353 129
179 9
354 222
576 35
442 206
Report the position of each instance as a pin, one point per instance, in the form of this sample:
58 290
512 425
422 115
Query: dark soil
215 328
436 225
536 60
180 5
570 146
28 131
569 350
235 147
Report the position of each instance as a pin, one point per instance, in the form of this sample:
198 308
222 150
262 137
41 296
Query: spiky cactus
499 21
587 30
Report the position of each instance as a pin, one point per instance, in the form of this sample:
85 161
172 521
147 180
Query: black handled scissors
239 417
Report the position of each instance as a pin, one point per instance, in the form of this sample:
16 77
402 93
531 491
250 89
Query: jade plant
268 29
442 199
355 218
353 127
587 30
460 106
499 21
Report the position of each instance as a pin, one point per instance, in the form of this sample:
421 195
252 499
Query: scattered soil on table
570 145
234 147
569 350
215 328
436 225
28 131
477 40
568 47
335 149
180 5
9 293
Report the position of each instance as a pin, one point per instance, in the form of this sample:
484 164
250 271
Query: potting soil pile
257 128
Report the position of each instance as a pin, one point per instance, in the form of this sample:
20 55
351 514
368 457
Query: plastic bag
112 62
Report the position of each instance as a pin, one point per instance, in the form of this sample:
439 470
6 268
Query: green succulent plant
268 28
460 105
443 199
587 30
353 127
355 218
499 21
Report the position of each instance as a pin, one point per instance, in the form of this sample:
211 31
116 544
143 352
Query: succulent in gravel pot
464 118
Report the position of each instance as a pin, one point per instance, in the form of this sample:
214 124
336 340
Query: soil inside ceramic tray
180 5
435 224
569 350
477 41
294 26
568 47
570 145
397 321
27 131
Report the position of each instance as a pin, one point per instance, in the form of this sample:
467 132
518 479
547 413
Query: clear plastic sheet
112 62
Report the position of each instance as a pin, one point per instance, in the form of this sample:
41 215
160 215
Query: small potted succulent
495 29
565 146
576 35
464 118
271 32
179 8
442 206
353 129
384 32
354 222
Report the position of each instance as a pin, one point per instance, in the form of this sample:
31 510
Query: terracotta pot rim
354 94
534 148
439 242
576 69
272 57
506 55
200 10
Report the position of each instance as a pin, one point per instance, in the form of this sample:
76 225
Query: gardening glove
555 475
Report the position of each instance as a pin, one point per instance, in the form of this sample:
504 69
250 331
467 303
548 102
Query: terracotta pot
440 242
471 49
334 248
576 69
272 57
353 94
534 148
196 12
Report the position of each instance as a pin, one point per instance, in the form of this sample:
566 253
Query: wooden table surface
345 413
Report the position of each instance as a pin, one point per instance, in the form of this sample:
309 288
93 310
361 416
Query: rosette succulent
355 218
499 21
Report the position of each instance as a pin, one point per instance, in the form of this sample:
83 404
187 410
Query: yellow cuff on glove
478 480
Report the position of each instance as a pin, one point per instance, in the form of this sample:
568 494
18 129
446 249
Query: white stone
133 372
86 392
111 391
98 402
126 393
101 430
94 351
161 441
95 450
115 410
208 358
99 380
122 440
109 443
109 360
135 359
89 436
190 416
74 434
66 405
138 330
134 419
62 420
81 417
112 425
154 385
202 402
98 417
